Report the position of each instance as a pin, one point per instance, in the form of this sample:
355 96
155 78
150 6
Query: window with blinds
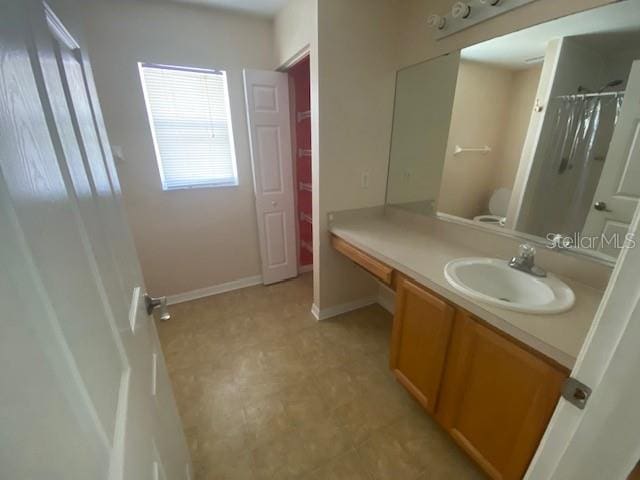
191 125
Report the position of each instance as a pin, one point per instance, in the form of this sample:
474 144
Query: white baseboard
387 299
330 312
214 290
305 268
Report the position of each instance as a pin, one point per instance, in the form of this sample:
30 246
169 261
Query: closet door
267 98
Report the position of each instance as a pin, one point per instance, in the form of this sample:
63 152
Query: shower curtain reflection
576 148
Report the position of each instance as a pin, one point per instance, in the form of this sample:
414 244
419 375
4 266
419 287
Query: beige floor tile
211 443
331 356
260 385
348 466
386 458
445 470
431 448
337 386
362 416
239 467
303 403
266 419
386 390
265 391
285 456
310 341
324 439
205 412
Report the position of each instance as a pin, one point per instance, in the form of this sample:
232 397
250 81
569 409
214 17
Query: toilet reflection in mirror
538 137
498 205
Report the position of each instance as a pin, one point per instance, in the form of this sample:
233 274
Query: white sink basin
493 281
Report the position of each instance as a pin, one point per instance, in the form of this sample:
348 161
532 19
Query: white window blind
191 125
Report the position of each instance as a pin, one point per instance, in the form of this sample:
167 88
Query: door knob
152 303
274 203
601 207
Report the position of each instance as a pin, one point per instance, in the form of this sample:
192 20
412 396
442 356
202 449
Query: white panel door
77 346
619 186
267 98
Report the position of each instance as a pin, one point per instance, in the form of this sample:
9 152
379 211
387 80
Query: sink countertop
422 255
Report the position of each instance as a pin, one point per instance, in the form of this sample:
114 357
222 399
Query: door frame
604 436
301 55
295 58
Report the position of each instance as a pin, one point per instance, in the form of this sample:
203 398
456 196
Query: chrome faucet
525 261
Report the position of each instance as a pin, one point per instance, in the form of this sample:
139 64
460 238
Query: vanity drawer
370 264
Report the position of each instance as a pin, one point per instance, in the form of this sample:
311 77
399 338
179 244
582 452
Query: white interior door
83 389
267 98
601 441
619 186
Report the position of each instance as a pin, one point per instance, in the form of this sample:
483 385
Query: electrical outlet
364 181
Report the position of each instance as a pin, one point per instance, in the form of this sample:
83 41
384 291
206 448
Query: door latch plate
575 392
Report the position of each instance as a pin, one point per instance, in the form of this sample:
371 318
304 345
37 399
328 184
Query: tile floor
266 392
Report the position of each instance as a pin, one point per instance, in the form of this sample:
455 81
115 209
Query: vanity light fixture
466 13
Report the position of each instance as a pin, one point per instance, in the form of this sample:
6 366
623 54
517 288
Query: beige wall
290 40
357 64
186 239
522 97
492 107
353 55
294 29
480 111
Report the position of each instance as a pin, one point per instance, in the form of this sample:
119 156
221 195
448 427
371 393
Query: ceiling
259 7
512 51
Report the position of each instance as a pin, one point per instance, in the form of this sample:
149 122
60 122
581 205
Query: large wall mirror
534 134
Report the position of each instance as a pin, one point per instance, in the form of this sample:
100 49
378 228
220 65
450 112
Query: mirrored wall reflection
538 137
424 94
489 123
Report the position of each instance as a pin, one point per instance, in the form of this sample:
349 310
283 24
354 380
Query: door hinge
575 392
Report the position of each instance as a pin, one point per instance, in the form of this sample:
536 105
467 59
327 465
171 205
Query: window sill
199 187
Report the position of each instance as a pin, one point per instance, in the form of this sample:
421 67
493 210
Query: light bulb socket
436 21
461 10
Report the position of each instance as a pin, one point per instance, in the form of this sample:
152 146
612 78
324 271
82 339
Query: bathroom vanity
528 138
489 376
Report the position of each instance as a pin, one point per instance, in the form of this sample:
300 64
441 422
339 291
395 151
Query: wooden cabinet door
497 398
421 330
